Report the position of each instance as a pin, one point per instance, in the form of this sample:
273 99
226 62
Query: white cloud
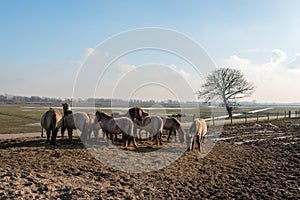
273 80
296 63
182 73
278 56
236 61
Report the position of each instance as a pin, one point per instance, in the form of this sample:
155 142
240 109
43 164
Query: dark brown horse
115 126
132 113
50 121
172 124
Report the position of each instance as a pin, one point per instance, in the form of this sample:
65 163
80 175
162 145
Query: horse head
66 108
136 113
102 116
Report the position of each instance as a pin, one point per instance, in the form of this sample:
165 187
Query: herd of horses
131 125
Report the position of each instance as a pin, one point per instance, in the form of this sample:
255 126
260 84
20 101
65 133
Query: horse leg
70 134
48 135
53 138
116 137
160 138
129 139
155 139
140 134
134 142
201 142
170 132
175 135
192 144
63 131
107 138
83 135
124 139
103 134
111 137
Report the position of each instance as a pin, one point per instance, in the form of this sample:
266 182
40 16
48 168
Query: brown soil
266 167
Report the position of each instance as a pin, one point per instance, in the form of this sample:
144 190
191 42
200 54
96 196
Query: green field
25 118
16 119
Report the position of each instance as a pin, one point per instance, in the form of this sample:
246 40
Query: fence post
290 114
245 118
268 114
277 115
257 117
213 118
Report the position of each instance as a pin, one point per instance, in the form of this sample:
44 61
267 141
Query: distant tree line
25 99
6 98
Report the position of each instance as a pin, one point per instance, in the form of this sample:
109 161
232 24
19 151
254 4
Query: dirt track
267 166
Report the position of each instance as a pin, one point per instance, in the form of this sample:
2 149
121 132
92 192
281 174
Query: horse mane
104 114
134 111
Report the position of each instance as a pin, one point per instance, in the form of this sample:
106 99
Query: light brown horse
196 134
50 121
94 126
115 126
71 121
153 125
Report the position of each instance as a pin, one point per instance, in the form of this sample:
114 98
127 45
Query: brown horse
196 134
172 124
115 126
50 121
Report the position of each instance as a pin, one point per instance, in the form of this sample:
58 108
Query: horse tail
53 119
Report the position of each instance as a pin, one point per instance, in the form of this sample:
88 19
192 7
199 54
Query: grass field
17 119
21 118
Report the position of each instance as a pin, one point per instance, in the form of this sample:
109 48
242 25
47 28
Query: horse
153 125
94 126
50 121
121 125
72 121
172 124
132 113
196 134
136 114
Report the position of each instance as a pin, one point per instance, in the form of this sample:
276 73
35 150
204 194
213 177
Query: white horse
80 121
196 134
154 126
94 126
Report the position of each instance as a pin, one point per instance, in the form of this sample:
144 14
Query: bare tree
227 85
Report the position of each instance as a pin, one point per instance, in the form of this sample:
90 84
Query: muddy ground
252 161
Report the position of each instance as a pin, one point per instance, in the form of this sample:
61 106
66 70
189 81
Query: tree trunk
229 111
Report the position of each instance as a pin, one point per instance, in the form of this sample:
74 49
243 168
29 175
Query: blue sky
43 39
